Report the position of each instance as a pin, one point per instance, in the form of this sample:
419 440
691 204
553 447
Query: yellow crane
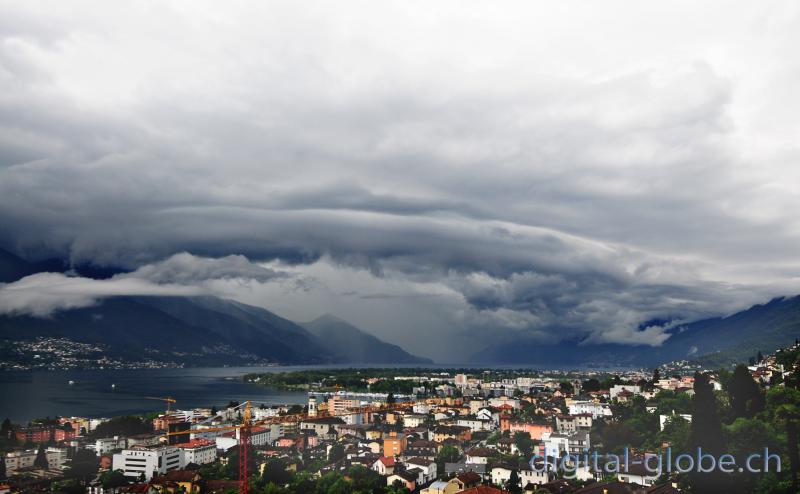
168 399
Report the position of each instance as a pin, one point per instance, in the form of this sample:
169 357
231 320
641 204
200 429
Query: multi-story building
567 424
143 440
56 457
16 460
44 433
619 388
596 410
108 444
394 444
148 461
198 451
535 430
322 425
340 406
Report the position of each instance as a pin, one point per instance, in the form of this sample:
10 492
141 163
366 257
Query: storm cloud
487 172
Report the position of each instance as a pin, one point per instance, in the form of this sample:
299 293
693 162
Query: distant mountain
203 331
192 330
354 345
717 341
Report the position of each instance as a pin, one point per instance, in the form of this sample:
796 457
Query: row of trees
741 420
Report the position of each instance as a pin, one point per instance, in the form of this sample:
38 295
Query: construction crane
246 426
169 400
245 430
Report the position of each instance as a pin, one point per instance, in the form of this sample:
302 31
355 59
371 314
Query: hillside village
467 435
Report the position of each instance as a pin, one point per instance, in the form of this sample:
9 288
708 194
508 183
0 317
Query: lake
25 395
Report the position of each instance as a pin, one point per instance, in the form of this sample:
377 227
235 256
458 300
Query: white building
148 461
108 444
16 460
428 468
56 457
528 476
476 424
619 388
260 413
596 410
198 451
421 408
500 475
556 444
414 420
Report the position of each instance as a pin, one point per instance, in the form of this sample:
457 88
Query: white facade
413 420
266 412
476 424
428 468
500 476
148 461
108 444
200 453
533 477
16 460
56 457
596 410
422 408
619 388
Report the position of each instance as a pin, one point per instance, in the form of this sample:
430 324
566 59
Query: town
454 433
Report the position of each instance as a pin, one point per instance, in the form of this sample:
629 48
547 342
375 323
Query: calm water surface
25 395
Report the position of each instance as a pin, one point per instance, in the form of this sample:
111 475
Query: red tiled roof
195 443
469 478
484 489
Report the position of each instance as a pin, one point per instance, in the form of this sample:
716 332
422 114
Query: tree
6 429
706 433
276 473
3 473
513 483
591 385
41 459
113 479
656 375
448 454
744 393
784 406
123 426
524 443
336 453
84 465
390 399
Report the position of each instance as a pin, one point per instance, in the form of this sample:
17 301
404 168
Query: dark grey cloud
525 182
182 274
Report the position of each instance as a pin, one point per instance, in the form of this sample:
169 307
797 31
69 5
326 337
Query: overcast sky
457 171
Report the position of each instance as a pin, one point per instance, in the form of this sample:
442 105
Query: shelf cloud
524 171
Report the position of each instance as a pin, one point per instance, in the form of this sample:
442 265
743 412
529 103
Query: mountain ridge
721 340
191 330
355 344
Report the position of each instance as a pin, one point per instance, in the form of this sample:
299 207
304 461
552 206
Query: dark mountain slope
355 345
730 339
246 327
